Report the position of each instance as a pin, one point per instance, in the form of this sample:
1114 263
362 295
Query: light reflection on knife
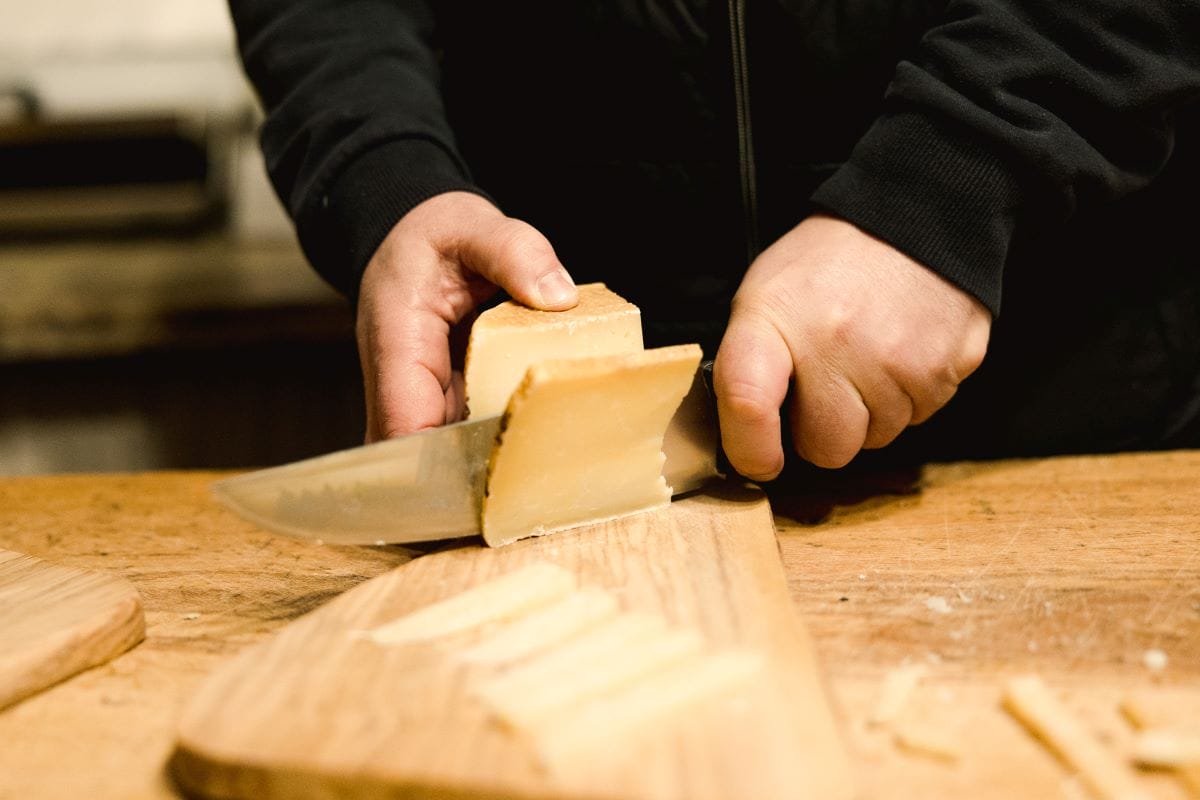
429 485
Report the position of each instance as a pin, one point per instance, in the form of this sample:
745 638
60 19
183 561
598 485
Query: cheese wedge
581 442
507 339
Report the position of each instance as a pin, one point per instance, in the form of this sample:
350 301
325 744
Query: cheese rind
581 442
507 339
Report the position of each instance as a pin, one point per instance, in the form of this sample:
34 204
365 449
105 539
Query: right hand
874 340
441 260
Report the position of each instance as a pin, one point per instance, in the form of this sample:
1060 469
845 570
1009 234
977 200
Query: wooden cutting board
56 621
322 710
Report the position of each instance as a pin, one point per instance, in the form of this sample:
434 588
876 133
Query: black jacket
1042 156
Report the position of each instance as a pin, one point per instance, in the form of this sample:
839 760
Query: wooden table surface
1070 568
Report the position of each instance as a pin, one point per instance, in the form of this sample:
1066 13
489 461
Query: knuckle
973 352
827 453
942 376
823 446
839 325
883 432
750 432
520 244
926 407
931 373
767 304
746 403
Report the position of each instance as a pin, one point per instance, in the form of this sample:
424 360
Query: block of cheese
581 442
507 339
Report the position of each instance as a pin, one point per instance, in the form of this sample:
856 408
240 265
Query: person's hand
441 260
876 342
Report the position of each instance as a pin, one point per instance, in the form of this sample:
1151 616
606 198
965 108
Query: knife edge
430 485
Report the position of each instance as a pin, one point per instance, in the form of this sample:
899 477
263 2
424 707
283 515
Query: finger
929 388
519 259
456 394
929 402
890 411
750 376
405 358
408 399
829 418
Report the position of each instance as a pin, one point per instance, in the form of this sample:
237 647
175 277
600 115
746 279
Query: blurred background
155 311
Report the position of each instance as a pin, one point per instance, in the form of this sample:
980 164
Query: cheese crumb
938 605
897 687
1154 660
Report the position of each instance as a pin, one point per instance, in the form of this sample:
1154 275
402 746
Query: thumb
516 257
751 375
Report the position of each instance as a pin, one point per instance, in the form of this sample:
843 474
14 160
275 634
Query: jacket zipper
741 94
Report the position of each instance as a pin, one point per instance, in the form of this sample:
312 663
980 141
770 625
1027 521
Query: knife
429 485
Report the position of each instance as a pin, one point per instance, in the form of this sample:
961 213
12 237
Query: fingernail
556 288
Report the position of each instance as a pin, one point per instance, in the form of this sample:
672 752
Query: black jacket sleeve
355 133
1014 115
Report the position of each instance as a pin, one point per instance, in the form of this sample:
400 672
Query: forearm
1014 115
355 133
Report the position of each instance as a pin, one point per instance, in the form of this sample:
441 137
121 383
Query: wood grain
319 711
1071 568
57 621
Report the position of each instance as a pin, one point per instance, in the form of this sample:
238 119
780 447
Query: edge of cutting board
62 621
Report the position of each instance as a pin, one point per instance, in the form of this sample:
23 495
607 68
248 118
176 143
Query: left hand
875 340
437 264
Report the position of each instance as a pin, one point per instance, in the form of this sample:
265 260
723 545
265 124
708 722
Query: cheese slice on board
581 442
505 598
507 339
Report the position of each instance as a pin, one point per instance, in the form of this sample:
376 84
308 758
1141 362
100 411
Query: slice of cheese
581 442
507 339
617 669
545 628
1170 708
601 643
582 733
1164 747
929 740
1028 699
506 597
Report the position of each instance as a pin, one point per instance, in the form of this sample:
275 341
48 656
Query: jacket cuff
345 224
934 193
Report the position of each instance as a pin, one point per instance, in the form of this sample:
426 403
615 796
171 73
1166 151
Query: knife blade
429 485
